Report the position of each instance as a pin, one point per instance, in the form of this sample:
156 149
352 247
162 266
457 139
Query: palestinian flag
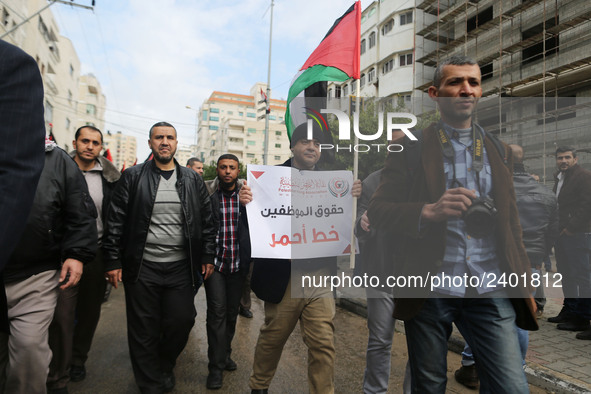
335 59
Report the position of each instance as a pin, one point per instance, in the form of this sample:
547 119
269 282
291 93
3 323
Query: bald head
517 153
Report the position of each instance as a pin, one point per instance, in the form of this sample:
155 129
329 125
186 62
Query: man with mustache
160 240
423 210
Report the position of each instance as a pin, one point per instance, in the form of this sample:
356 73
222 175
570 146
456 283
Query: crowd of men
163 231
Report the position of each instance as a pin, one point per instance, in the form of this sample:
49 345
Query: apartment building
123 149
59 66
234 123
91 103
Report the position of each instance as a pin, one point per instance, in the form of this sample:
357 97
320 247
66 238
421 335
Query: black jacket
244 249
61 224
271 276
574 200
538 215
130 211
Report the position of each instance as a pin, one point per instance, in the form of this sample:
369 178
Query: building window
388 66
480 19
277 145
406 18
251 131
345 90
250 115
90 109
5 16
363 46
213 127
387 27
278 133
277 157
251 143
272 117
240 113
329 95
70 96
486 71
48 112
536 51
214 110
230 113
371 12
214 118
250 155
68 123
363 18
362 80
337 92
71 70
406 60
204 115
372 39
371 75
212 142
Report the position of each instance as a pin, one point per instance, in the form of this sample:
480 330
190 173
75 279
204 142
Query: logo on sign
338 187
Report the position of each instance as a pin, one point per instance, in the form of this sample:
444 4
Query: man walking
232 260
160 240
196 165
59 238
425 210
573 247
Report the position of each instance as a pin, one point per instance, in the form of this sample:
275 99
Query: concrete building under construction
535 57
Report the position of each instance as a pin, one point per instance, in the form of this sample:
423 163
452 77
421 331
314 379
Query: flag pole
268 108
355 173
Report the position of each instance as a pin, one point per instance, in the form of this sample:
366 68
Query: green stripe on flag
309 77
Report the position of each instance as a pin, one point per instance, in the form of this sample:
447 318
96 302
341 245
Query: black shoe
562 317
574 325
230 365
168 381
586 335
468 377
62 390
259 391
245 313
214 380
77 373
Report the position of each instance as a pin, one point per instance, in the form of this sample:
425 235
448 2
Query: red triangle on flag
257 174
347 249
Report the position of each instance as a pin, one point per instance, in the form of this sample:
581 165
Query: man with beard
424 209
232 261
160 241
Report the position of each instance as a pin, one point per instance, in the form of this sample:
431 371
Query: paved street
109 368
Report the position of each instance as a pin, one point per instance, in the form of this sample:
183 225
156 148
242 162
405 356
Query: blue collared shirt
466 256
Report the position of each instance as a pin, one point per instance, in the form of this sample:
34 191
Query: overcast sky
154 57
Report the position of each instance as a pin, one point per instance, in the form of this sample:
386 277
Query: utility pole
51 2
268 109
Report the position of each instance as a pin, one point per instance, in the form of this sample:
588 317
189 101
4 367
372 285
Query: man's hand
566 232
357 188
71 269
452 204
245 194
364 222
113 277
206 270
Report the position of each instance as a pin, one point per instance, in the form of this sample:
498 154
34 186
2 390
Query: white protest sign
299 214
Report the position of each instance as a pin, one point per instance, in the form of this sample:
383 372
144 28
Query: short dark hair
192 161
160 124
566 148
228 156
77 134
455 60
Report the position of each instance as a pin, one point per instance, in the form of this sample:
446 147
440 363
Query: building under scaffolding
535 57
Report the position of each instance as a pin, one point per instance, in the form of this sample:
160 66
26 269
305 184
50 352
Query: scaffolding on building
526 48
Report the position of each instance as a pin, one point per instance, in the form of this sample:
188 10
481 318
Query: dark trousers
61 332
223 293
88 308
245 300
573 260
160 314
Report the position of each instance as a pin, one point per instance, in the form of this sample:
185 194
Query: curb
536 374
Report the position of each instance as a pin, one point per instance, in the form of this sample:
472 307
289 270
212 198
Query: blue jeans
522 336
488 324
573 257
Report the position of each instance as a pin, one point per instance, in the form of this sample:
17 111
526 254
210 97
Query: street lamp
196 129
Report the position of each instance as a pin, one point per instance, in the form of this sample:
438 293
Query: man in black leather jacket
60 236
160 240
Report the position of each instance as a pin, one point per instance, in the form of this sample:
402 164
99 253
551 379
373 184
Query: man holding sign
277 280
